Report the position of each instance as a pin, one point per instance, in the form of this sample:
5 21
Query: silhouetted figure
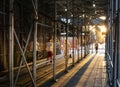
96 47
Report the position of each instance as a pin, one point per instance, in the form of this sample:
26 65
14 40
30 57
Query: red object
49 53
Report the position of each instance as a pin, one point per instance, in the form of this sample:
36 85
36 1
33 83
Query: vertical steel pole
54 44
115 58
111 31
85 36
81 43
34 52
73 59
119 41
78 34
66 59
11 43
5 60
112 34
35 42
115 45
109 39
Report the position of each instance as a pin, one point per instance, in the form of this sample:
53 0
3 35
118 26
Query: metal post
34 51
112 17
115 46
35 42
11 43
78 34
119 42
5 58
66 59
110 35
81 43
54 48
73 59
115 59
85 36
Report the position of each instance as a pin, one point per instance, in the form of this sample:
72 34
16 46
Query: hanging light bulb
65 9
103 17
94 5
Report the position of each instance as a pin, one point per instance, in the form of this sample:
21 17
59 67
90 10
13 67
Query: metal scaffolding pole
115 58
73 52
78 44
85 49
119 44
81 42
34 52
73 34
54 47
115 45
84 34
112 17
66 55
35 6
5 58
116 74
11 43
35 41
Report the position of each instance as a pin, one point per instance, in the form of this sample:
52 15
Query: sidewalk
90 72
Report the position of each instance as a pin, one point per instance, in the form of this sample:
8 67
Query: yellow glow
103 28
103 17
91 27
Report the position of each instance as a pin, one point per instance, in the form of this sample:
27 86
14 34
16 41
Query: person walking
49 48
96 47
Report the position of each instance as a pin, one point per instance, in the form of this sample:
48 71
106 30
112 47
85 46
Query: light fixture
102 17
63 33
71 15
83 15
94 5
65 9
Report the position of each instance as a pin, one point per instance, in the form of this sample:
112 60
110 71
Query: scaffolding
26 28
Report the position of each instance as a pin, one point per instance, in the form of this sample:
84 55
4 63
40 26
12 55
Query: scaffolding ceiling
79 6
91 8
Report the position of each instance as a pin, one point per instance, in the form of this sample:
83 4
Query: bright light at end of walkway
103 17
103 28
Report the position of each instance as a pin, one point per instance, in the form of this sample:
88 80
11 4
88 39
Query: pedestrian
49 48
96 47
